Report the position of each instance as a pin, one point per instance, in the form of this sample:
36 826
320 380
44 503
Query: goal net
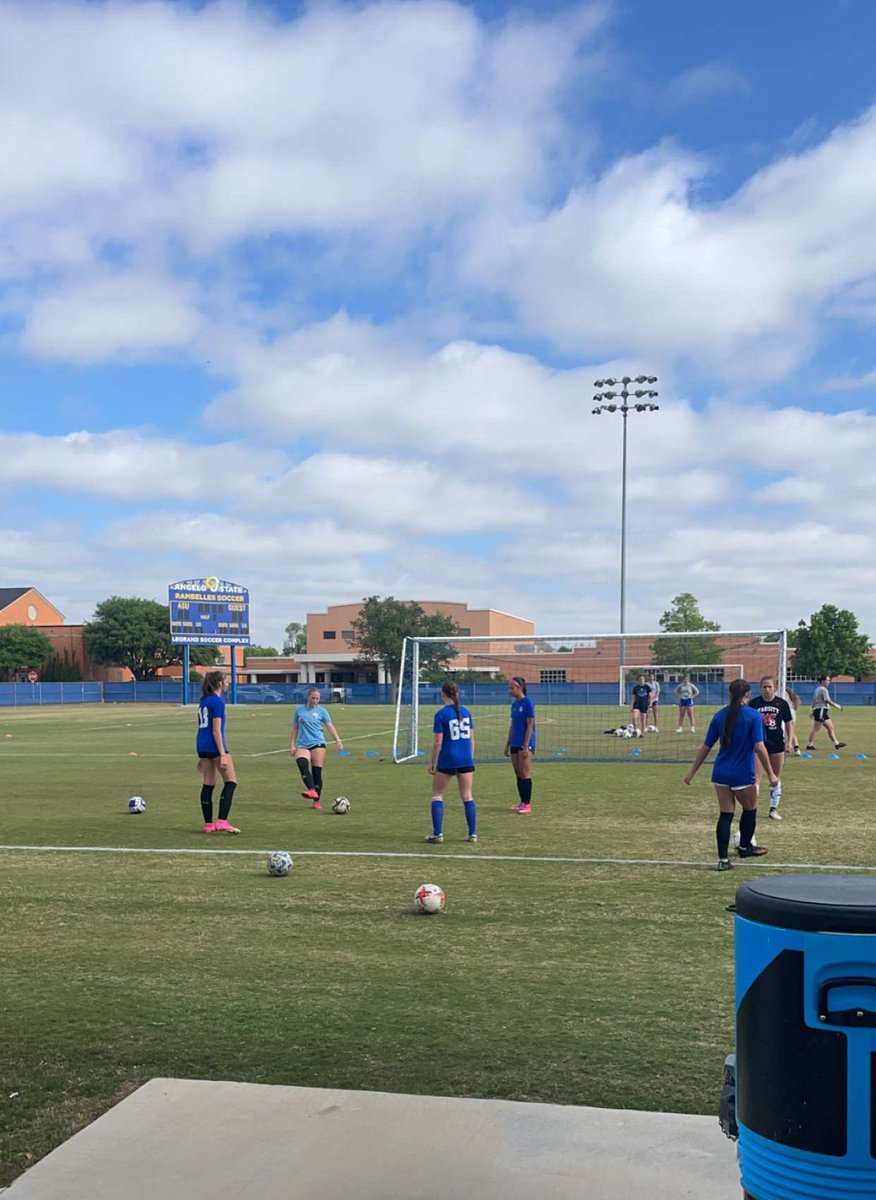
581 686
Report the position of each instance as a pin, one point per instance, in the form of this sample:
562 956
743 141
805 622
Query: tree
384 623
60 668
261 652
684 616
22 646
129 632
296 638
831 645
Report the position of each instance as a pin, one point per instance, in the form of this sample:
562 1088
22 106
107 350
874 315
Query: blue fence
166 691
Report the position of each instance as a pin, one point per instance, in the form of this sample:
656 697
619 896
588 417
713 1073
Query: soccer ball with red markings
428 899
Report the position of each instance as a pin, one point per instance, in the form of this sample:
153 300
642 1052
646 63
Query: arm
696 690
702 755
293 743
508 742
217 737
437 739
527 736
334 734
764 759
833 704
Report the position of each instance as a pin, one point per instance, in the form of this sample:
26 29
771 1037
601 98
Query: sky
312 297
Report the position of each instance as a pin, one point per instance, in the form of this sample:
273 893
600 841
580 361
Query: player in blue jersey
307 745
213 756
740 732
521 742
452 754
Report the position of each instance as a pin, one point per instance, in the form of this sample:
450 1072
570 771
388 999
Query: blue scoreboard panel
209 612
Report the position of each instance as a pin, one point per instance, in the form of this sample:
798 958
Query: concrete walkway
197 1140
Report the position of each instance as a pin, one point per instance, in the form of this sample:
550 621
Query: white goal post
577 681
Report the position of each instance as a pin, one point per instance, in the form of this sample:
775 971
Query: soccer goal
581 686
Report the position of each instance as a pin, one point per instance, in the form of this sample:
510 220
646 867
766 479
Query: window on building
319 677
330 635
552 676
463 633
346 635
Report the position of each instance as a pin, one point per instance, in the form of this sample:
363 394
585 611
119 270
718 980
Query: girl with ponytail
452 754
739 729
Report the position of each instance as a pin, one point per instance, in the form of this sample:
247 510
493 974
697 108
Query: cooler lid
819 903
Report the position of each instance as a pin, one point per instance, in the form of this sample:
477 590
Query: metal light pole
612 401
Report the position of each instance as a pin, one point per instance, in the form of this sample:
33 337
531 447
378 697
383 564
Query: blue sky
312 297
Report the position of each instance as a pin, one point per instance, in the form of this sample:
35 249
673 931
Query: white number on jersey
459 729
203 718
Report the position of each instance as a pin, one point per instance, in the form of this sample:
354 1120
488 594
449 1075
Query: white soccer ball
627 733
621 733
651 729
737 838
280 862
428 899
341 806
136 804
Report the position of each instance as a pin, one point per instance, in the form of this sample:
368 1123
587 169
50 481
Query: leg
726 809
317 759
207 769
523 770
680 718
747 797
302 761
831 733
810 743
439 787
229 783
777 761
466 784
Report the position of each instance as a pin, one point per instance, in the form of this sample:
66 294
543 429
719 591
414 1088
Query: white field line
358 737
438 855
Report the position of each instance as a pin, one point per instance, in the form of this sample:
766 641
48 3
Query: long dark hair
451 691
212 682
739 689
520 681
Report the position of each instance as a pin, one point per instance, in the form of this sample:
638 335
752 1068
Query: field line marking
437 856
358 737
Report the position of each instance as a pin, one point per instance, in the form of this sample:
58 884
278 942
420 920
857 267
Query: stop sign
32 677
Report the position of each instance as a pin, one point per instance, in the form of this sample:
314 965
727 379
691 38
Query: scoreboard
209 612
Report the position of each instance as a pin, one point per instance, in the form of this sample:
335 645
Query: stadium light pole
624 401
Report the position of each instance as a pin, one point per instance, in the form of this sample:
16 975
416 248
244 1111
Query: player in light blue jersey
521 742
740 732
307 745
452 754
213 756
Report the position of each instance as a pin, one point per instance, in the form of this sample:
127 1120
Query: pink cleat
311 794
316 804
225 827
523 809
209 827
516 807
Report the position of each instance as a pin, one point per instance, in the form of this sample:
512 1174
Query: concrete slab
202 1140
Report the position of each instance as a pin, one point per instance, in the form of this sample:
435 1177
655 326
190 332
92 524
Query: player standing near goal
655 700
821 706
778 727
686 693
452 754
213 756
521 742
307 744
640 705
739 729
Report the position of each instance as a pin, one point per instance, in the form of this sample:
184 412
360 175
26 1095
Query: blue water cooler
806 1037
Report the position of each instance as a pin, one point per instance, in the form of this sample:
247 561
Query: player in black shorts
779 734
640 705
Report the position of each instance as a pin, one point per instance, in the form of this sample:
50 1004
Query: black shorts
320 746
780 749
209 754
520 749
454 770
641 706
820 714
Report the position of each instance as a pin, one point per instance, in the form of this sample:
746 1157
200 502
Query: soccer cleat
209 827
724 864
752 851
796 751
693 729
434 838
810 746
316 804
472 837
226 827
678 730
775 815
311 794
838 745
516 807
524 809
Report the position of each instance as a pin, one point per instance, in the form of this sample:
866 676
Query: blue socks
471 816
437 817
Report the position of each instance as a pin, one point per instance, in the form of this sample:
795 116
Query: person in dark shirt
779 735
640 704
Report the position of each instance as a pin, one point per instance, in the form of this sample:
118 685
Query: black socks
207 804
722 834
225 800
304 768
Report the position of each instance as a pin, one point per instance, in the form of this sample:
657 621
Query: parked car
259 693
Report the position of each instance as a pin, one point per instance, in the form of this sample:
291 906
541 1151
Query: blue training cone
833 756
860 755
371 754
561 750
805 755
635 753
342 753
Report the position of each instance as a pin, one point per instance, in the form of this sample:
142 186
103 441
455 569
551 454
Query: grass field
585 955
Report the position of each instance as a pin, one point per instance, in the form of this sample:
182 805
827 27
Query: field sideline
585 955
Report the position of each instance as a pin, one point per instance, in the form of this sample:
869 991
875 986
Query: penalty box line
435 855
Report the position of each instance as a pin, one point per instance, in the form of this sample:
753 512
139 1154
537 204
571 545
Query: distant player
521 742
739 729
655 701
779 735
640 704
821 706
686 693
794 701
307 744
452 754
213 756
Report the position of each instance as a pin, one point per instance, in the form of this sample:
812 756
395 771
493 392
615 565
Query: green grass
575 982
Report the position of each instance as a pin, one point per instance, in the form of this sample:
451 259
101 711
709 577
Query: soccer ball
651 729
627 733
280 862
136 804
737 838
428 899
341 806
621 733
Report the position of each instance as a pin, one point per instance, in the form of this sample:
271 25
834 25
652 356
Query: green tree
60 668
129 632
383 624
831 645
261 652
684 616
22 646
296 638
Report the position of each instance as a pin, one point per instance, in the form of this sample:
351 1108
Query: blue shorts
685 704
